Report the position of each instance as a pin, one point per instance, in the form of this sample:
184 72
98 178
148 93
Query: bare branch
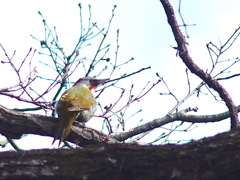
229 77
137 98
183 53
180 116
14 145
127 75
43 104
6 89
180 14
101 43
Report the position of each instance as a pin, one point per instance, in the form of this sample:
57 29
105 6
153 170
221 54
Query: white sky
144 35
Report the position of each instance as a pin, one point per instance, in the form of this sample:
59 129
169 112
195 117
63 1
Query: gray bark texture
213 158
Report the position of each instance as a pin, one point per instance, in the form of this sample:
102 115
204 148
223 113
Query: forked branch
184 55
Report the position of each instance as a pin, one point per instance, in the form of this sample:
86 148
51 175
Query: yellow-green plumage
78 103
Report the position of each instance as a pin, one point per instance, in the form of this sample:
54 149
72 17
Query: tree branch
183 53
14 124
180 116
215 158
82 135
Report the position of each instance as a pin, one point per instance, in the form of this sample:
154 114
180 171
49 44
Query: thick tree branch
14 124
215 158
183 53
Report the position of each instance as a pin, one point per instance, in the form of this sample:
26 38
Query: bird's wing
83 99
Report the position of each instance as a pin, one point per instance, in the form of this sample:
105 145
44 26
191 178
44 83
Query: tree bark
14 124
214 158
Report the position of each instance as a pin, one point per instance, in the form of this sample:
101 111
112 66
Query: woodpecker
76 103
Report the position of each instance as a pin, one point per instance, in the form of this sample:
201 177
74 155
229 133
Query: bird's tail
62 132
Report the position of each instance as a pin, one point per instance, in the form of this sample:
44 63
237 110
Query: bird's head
89 82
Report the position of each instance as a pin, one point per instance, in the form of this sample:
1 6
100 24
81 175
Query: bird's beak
100 81
97 82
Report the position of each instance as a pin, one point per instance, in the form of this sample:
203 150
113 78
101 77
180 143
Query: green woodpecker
76 103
